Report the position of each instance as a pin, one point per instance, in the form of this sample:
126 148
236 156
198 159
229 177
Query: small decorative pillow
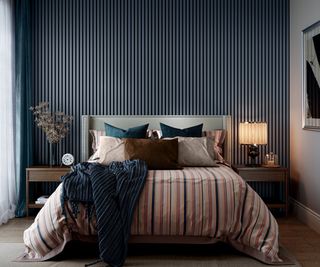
158 154
110 149
135 132
196 152
168 131
219 137
153 134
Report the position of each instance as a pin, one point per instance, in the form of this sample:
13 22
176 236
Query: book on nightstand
42 200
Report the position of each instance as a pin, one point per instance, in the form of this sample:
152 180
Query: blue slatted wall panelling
151 57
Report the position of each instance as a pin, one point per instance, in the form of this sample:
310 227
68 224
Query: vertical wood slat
163 57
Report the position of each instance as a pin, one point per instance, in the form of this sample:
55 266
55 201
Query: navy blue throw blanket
114 191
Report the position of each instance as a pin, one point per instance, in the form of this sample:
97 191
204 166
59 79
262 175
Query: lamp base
253 153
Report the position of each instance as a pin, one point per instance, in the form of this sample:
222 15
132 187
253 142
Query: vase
52 154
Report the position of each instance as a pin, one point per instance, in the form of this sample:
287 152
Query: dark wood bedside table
37 174
264 174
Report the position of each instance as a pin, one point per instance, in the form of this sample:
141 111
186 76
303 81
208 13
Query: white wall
304 145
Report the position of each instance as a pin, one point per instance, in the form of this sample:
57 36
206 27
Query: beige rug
218 255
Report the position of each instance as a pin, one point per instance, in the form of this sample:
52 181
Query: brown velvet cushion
158 154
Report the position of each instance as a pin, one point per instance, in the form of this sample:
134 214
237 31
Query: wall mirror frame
311 77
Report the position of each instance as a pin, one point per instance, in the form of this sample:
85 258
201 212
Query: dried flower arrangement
54 124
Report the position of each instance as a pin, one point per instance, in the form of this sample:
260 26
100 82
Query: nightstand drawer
49 176
257 176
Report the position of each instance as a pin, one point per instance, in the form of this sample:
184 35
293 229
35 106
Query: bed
195 205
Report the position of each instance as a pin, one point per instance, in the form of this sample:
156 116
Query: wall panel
157 57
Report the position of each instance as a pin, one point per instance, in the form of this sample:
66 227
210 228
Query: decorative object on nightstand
268 175
35 175
67 159
253 134
54 124
271 161
42 200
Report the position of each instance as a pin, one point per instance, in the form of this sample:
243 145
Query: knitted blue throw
114 191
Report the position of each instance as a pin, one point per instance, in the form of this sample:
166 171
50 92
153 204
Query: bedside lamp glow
253 134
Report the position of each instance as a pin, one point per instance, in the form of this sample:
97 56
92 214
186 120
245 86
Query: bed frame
96 122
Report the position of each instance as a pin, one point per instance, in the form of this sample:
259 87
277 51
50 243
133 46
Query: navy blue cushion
135 132
168 131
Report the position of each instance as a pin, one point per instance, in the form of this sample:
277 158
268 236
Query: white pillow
196 152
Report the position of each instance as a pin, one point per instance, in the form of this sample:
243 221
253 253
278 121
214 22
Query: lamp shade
253 133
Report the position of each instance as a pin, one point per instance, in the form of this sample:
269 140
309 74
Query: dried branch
54 124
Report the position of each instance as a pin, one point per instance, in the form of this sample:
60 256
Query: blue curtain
23 92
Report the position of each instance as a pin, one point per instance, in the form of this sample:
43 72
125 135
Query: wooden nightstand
36 174
262 174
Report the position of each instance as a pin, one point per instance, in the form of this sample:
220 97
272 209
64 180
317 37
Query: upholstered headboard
96 122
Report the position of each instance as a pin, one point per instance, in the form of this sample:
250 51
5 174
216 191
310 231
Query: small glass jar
271 159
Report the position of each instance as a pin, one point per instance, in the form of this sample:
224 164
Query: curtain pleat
23 93
8 189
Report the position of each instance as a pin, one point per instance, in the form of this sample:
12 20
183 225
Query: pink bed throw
214 203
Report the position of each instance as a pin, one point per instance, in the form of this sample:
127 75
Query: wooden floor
300 240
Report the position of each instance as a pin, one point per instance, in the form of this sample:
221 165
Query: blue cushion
168 131
135 132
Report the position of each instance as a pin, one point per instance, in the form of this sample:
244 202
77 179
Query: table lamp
253 134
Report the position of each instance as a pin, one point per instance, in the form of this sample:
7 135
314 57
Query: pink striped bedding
214 203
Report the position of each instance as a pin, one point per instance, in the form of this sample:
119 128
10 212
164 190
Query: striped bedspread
204 202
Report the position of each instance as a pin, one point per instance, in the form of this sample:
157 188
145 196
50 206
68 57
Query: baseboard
306 215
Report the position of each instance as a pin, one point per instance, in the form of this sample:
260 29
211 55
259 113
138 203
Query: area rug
218 255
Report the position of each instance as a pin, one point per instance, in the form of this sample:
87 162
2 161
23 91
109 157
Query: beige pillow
96 134
110 149
196 152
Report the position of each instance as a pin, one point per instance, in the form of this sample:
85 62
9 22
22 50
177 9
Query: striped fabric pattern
218 136
214 203
116 188
210 202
